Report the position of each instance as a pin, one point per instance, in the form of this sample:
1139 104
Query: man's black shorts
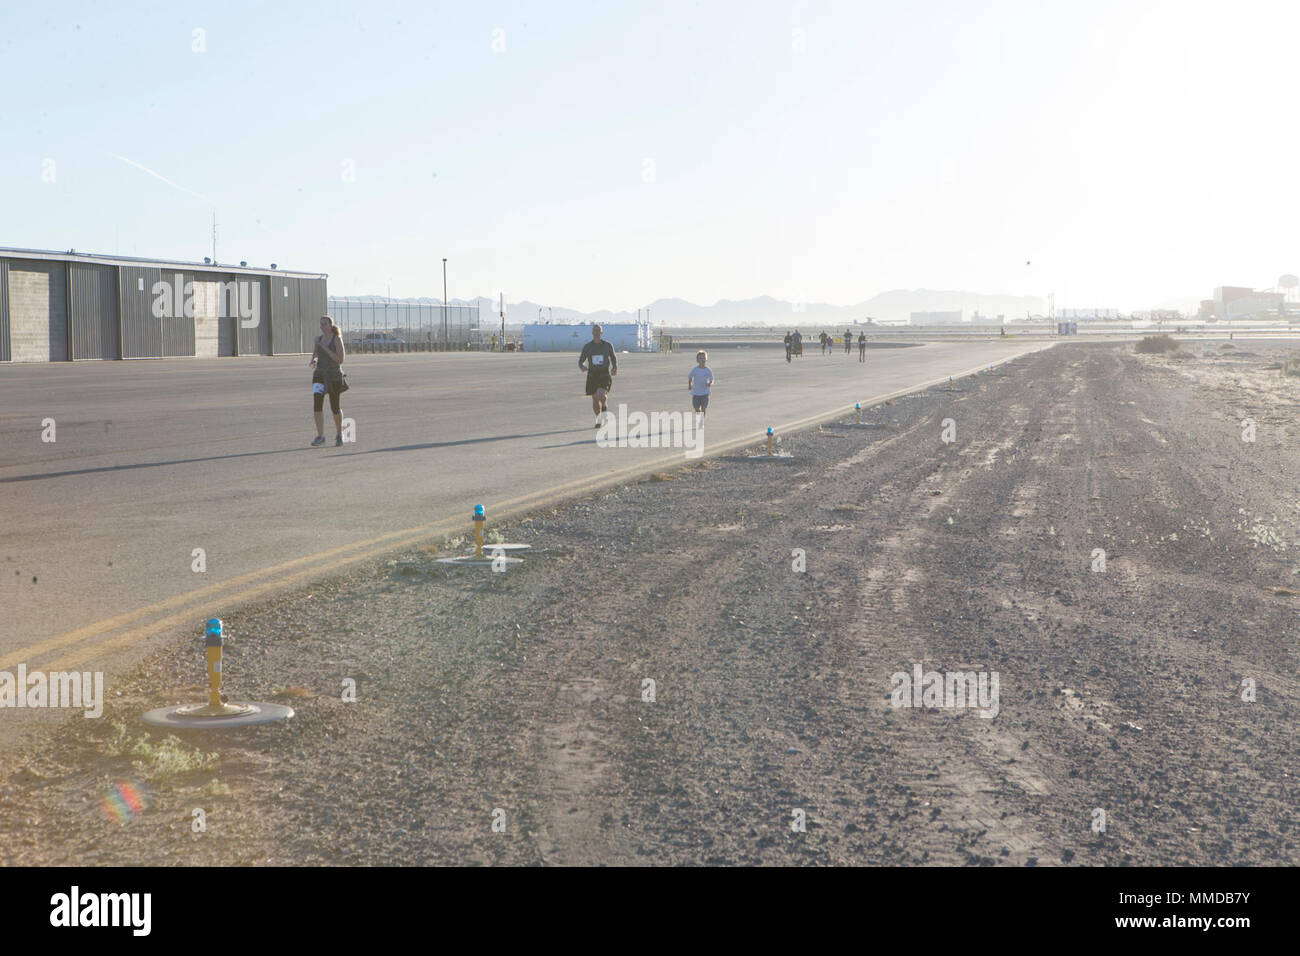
597 380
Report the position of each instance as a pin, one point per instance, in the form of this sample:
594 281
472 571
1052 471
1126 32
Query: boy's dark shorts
700 402
597 380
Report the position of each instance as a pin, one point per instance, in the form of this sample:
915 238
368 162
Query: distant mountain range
892 306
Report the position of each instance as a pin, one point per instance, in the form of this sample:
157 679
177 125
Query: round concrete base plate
196 717
470 561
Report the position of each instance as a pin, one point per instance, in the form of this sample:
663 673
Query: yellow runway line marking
280 576
180 600
127 638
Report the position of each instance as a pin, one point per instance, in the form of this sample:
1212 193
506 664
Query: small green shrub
156 761
168 758
119 742
1155 344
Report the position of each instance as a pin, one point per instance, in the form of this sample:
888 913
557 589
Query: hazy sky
606 154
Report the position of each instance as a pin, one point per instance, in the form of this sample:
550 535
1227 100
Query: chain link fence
390 325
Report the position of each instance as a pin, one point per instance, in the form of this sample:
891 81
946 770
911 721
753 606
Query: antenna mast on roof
214 237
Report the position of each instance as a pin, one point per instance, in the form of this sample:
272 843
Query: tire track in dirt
1117 608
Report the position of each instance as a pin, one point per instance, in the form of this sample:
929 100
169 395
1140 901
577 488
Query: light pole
444 302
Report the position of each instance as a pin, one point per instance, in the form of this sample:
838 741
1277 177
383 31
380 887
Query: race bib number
318 388
598 360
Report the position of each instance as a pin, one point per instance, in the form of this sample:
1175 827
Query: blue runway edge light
217 712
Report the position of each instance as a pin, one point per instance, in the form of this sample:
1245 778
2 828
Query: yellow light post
496 556
479 519
216 712
213 643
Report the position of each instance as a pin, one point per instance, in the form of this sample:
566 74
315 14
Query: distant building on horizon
1241 302
571 337
1084 315
1225 294
935 318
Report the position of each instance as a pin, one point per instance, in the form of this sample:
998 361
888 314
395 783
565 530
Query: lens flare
123 802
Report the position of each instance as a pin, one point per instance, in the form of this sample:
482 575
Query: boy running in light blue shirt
699 380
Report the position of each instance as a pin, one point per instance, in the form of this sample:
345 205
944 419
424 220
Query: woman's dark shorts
320 388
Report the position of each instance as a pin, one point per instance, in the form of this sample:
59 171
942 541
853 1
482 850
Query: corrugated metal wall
228 309
52 310
226 334
286 332
177 328
94 324
4 311
177 335
152 307
60 343
312 304
256 340
141 329
296 307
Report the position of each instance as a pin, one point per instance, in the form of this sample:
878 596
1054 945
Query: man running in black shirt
600 364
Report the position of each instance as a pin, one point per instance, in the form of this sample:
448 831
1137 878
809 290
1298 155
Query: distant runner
600 364
848 340
798 343
862 346
822 338
789 345
699 380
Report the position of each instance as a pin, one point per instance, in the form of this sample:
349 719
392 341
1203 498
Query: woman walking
326 358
